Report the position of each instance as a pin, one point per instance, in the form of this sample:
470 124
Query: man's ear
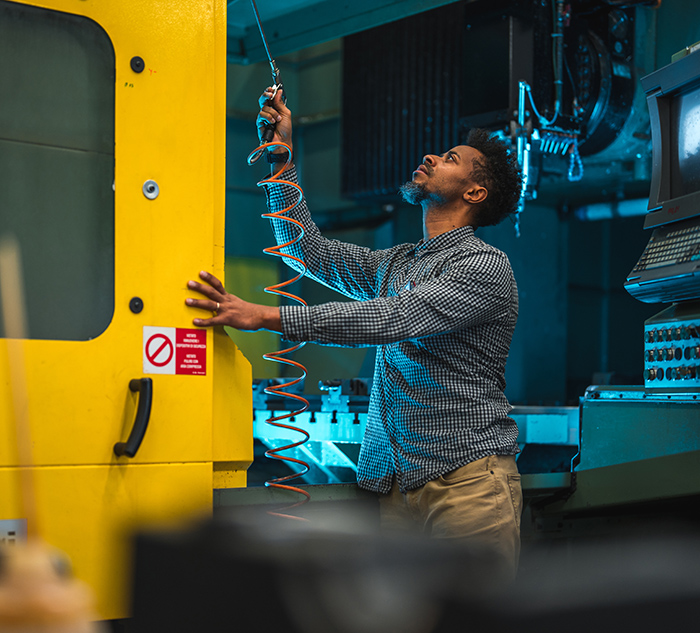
475 194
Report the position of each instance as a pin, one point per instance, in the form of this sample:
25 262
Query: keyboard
669 268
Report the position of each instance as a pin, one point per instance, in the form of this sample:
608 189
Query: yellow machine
112 178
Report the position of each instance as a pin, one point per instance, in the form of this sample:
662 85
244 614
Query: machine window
57 167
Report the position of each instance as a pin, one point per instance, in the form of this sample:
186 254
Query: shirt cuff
297 323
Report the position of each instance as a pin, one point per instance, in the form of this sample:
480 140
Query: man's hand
230 310
273 110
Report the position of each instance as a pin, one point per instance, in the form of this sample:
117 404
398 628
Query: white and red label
169 350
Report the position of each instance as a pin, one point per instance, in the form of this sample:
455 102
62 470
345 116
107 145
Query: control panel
672 354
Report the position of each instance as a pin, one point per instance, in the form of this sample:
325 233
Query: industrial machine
669 268
559 79
336 419
112 159
639 444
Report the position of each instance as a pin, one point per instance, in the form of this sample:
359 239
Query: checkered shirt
442 314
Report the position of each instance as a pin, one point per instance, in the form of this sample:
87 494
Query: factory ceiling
291 25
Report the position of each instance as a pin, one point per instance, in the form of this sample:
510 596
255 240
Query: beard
413 192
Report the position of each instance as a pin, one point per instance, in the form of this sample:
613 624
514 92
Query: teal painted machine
640 445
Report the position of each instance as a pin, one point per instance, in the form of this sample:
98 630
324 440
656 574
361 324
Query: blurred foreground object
332 575
39 595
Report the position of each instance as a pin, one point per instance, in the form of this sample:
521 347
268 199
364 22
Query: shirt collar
445 240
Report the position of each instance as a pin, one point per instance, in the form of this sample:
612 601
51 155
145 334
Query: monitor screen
685 139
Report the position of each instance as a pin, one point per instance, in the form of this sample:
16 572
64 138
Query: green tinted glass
57 167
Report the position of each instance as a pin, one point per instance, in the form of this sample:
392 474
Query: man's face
442 178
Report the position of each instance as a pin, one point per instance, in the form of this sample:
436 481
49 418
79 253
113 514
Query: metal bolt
151 189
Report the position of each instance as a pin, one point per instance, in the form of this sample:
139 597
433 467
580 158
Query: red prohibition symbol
159 350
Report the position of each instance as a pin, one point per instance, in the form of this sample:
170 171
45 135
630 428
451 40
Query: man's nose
430 159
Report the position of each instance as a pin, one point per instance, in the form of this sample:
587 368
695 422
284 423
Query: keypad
672 355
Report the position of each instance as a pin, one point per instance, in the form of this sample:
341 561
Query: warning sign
169 350
190 352
158 350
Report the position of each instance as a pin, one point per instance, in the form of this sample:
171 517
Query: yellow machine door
112 163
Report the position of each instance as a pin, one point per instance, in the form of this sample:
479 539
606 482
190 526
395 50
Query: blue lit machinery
336 421
640 445
672 349
580 100
668 270
559 80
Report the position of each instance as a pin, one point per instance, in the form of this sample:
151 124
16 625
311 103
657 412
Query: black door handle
145 388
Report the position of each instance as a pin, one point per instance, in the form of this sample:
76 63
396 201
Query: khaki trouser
479 503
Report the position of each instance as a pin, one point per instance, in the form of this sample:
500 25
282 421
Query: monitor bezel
661 88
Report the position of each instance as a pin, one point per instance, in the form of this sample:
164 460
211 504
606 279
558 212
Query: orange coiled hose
281 355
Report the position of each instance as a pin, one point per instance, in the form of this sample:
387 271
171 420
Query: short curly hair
499 172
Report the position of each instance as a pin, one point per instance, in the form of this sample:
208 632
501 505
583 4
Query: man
439 448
